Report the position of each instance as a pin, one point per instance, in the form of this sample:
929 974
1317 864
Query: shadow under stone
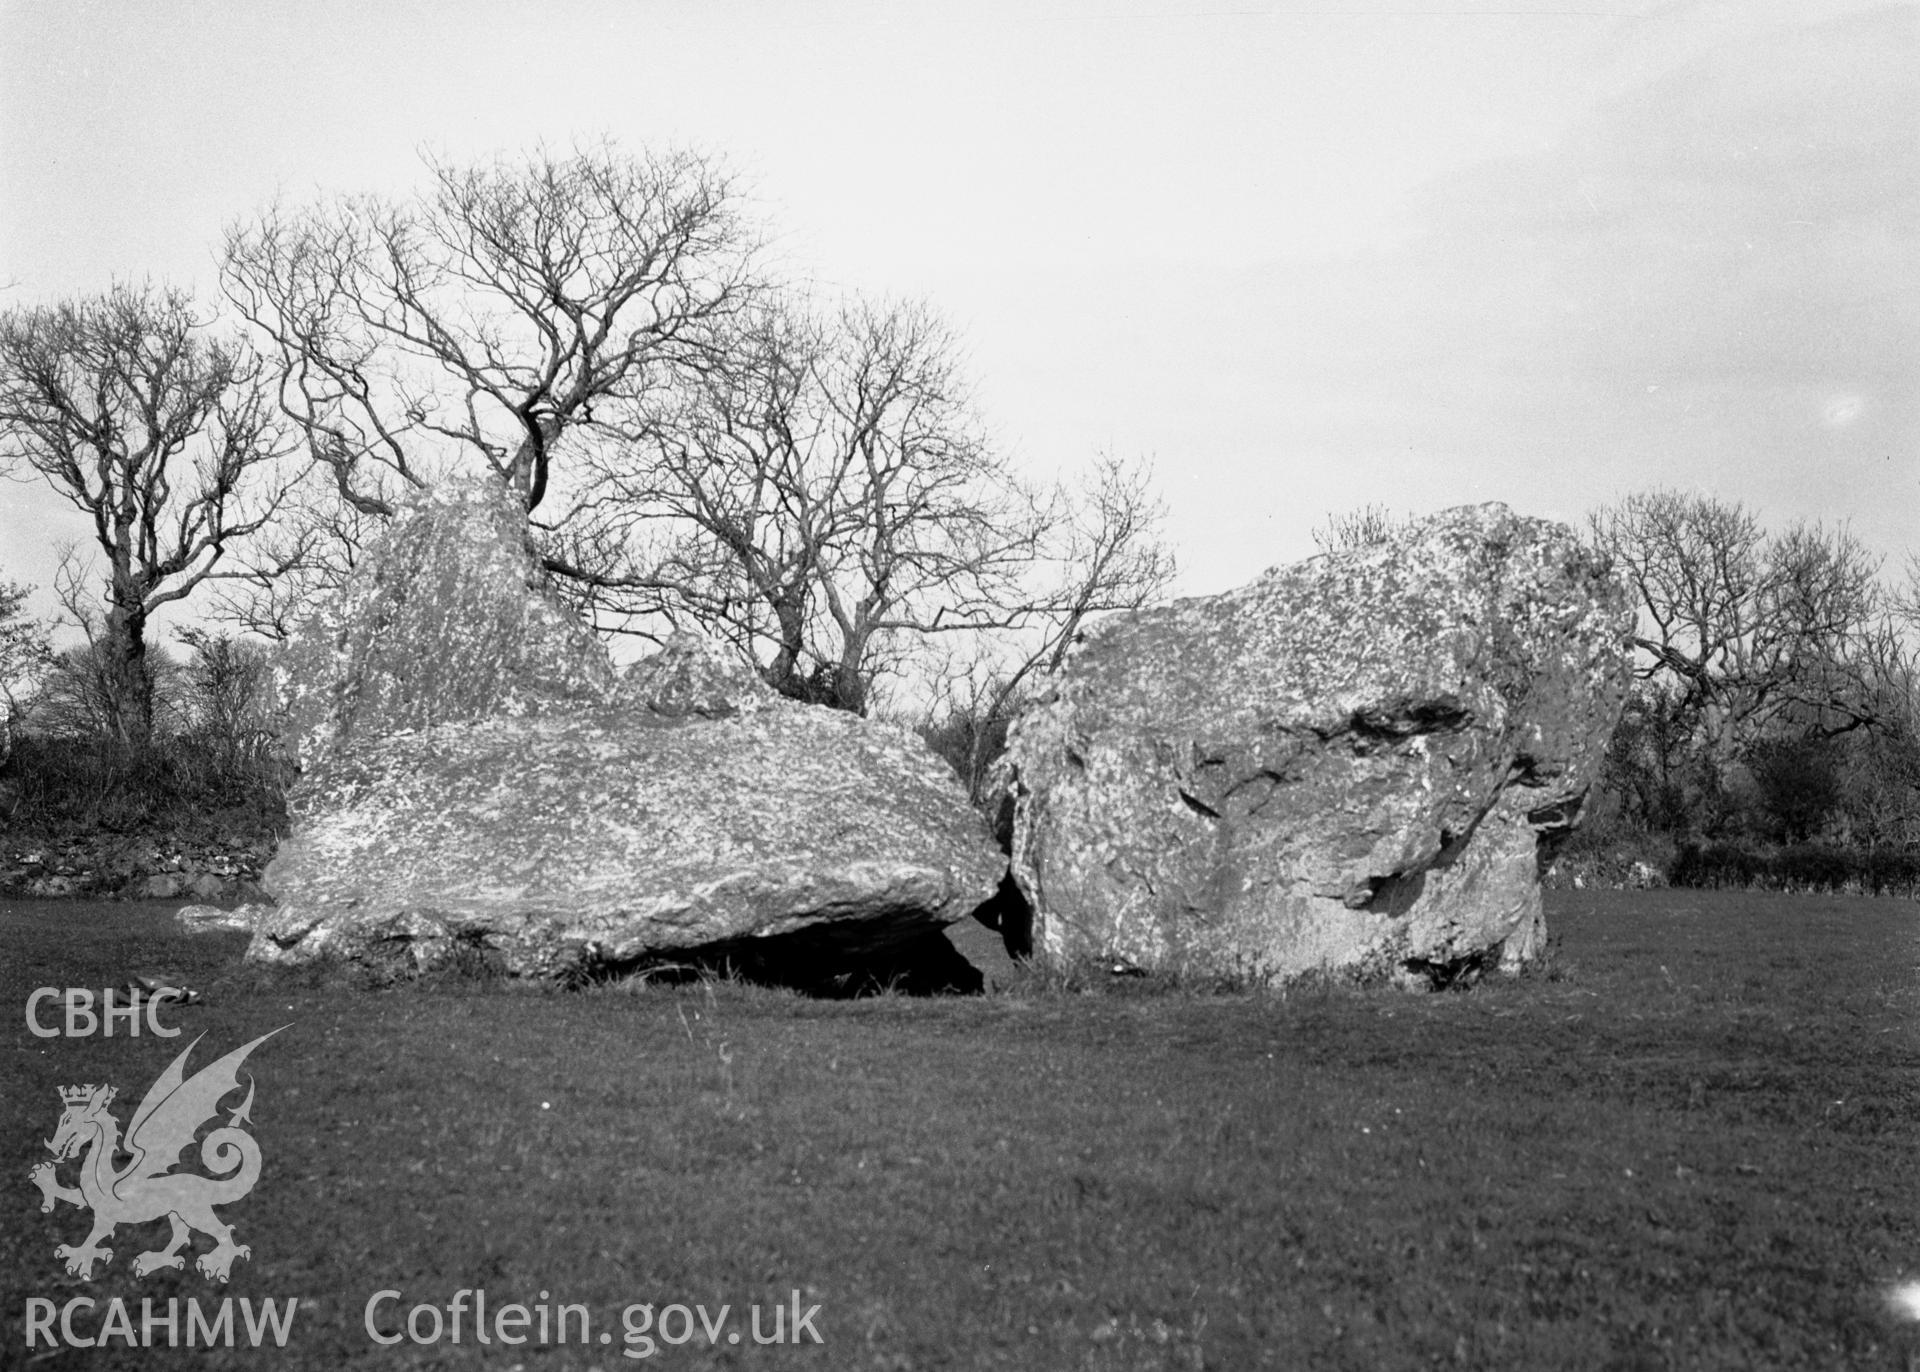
832 962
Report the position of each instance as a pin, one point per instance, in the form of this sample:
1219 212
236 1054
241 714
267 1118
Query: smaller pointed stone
448 616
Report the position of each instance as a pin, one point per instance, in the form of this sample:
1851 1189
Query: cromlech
478 782
1354 765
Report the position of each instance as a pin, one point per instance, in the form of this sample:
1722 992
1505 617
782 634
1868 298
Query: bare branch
1751 633
157 429
479 323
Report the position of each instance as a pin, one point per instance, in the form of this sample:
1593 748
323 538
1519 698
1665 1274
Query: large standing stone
447 617
1347 765
500 792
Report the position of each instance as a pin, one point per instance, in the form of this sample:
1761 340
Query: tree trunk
127 676
783 673
849 688
850 676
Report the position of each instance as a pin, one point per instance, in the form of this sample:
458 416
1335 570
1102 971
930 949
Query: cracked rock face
478 781
1348 765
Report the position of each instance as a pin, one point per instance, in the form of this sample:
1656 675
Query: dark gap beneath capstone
842 961
1455 974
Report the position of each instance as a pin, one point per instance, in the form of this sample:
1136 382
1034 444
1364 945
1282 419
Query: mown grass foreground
1691 1144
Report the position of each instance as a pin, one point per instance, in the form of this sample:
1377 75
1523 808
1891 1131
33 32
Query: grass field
1691 1143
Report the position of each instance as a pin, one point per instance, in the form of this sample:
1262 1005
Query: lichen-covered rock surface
610 836
1348 765
447 617
551 818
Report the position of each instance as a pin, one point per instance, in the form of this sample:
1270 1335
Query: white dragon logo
171 1113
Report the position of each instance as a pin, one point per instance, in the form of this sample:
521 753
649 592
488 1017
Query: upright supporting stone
449 616
1347 765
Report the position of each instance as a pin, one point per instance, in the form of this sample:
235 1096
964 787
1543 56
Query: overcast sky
1305 256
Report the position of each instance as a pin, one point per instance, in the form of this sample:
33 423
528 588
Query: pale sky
1307 257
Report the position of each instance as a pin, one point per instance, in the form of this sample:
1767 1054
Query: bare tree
313 545
160 431
25 653
1750 630
225 695
24 646
486 321
1881 783
1103 552
1903 613
825 501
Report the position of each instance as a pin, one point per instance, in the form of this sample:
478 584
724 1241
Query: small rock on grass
211 918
